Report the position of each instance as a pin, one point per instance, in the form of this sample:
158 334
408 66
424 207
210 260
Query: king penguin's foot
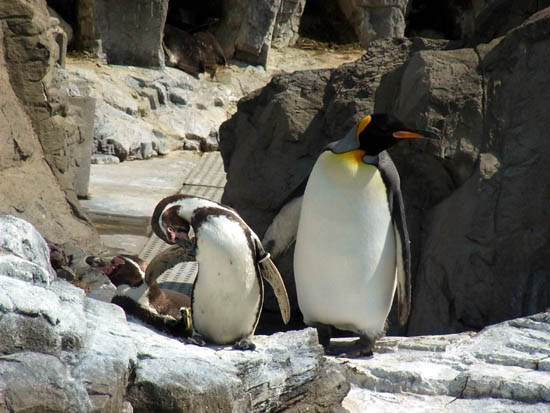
244 344
324 332
359 348
195 339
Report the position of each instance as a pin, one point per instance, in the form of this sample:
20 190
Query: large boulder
127 32
42 136
480 251
245 32
486 249
375 19
287 24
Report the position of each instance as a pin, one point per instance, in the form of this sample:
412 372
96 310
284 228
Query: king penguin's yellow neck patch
353 157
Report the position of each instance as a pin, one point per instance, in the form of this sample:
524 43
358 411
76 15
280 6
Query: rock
63 24
102 159
128 33
245 33
142 113
38 174
488 235
287 24
502 368
495 19
87 357
23 251
39 382
375 19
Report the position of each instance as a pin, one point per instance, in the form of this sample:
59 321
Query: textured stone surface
83 355
486 249
126 32
142 113
245 32
502 368
287 25
39 134
375 19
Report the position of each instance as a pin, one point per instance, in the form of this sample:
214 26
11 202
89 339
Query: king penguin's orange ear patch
362 125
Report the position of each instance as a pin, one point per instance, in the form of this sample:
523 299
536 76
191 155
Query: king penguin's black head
376 133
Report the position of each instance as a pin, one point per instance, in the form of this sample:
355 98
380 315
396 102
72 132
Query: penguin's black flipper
403 251
281 233
270 273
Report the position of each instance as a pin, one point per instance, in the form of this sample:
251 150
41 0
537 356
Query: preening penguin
228 290
352 246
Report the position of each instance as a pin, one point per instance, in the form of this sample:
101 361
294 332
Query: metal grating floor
206 180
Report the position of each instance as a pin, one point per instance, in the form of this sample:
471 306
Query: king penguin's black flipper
403 251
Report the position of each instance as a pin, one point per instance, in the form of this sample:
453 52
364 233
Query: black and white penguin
352 246
228 291
138 293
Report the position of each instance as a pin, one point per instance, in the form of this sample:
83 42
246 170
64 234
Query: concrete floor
122 196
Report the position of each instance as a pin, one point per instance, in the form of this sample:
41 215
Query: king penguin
352 245
228 290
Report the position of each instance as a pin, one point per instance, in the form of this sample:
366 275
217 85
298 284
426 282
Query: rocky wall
41 134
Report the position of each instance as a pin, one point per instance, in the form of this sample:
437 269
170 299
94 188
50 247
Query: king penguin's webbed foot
195 339
360 348
244 344
324 332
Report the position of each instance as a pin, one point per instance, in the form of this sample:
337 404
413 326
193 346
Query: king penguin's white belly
344 261
226 294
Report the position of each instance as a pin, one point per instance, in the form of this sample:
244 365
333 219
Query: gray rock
495 19
245 32
158 111
102 159
32 381
287 24
375 19
23 250
497 369
486 234
128 33
37 126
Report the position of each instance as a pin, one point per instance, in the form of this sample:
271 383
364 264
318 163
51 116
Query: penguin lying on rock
228 291
352 246
139 294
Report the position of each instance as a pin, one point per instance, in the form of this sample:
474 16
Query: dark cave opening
436 18
323 21
194 16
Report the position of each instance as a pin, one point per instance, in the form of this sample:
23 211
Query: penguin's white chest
345 255
226 293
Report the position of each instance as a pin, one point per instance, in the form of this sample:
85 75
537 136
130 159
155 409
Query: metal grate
206 180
